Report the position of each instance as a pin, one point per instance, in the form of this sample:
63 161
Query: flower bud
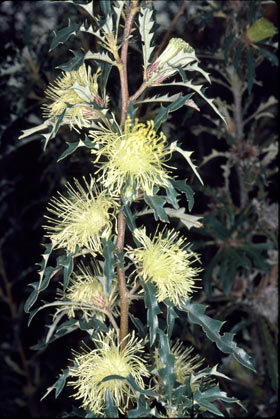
261 29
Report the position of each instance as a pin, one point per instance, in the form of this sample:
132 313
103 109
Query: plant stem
121 278
123 65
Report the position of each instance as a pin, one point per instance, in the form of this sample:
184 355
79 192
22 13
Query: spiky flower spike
81 219
108 359
166 262
73 93
86 290
135 158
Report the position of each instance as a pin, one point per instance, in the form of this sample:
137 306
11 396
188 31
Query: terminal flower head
166 262
74 92
82 217
86 290
135 158
108 359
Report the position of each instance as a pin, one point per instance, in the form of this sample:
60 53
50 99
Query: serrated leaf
72 147
41 127
99 56
187 156
187 219
142 410
58 385
197 89
181 186
111 409
130 218
156 203
146 24
109 263
37 285
63 34
174 106
152 309
172 195
105 6
205 399
142 329
170 317
66 261
212 329
74 63
167 373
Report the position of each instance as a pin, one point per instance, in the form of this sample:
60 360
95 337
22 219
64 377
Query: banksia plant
110 260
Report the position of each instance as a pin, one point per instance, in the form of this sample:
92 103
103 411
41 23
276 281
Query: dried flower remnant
135 158
166 262
82 218
74 93
108 359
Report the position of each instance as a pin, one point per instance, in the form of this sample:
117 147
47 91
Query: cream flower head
135 158
78 89
108 359
81 219
86 290
166 262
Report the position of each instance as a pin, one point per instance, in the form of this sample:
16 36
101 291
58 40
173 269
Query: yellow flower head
108 359
166 262
81 219
86 290
135 158
77 89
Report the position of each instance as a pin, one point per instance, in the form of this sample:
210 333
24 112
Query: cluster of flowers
134 156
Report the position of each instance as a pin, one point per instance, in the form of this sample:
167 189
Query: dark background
29 177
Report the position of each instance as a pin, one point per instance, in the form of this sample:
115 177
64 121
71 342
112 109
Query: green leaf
174 106
37 285
156 203
142 329
63 34
74 63
269 55
237 55
270 352
187 156
111 409
73 147
170 318
105 6
152 309
109 263
142 410
58 385
205 399
167 373
251 68
188 220
181 186
212 329
130 218
67 263
172 195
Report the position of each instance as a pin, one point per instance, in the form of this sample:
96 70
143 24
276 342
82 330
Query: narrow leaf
156 203
152 309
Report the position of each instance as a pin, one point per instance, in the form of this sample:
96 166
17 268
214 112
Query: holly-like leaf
152 309
74 63
187 219
109 263
156 203
72 147
187 156
181 186
58 385
167 373
146 24
68 264
174 106
63 34
212 329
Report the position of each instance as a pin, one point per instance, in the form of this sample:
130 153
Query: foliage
124 141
